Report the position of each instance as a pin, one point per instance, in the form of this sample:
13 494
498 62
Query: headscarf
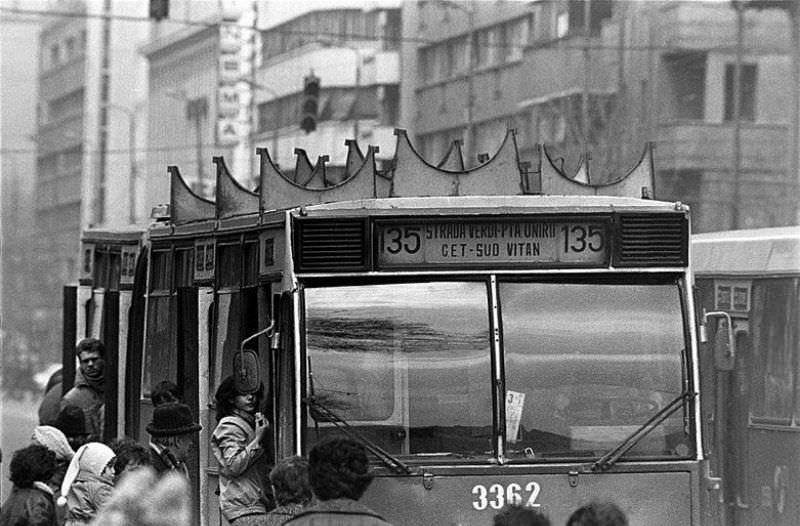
90 458
53 439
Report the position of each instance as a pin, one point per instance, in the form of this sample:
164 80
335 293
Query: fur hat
71 421
90 458
53 439
172 418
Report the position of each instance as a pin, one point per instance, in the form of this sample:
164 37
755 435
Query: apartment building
355 54
595 81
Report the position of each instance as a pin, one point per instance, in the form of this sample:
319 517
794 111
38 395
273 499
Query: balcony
698 145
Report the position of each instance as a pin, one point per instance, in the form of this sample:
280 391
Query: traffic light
308 120
159 9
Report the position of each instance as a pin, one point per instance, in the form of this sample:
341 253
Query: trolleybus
493 336
752 398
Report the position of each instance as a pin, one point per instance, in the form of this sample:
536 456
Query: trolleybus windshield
412 366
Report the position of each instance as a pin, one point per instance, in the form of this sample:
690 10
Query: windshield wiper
384 456
609 459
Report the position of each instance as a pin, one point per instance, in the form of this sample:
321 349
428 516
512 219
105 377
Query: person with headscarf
88 483
31 501
54 440
88 392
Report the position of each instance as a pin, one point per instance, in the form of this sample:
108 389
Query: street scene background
97 98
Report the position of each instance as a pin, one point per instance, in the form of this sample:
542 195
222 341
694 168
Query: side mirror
246 369
724 345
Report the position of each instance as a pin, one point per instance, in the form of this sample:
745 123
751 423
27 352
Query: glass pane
586 364
161 270
407 364
184 261
161 350
114 261
773 375
229 271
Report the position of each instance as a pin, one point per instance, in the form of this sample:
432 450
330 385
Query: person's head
131 455
72 422
53 439
289 479
174 428
598 514
229 398
55 379
164 392
31 464
516 515
91 355
92 458
144 498
338 468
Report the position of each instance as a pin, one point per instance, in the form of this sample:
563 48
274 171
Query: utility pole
585 121
737 117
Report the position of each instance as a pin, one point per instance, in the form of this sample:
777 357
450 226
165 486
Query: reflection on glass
590 363
161 354
407 364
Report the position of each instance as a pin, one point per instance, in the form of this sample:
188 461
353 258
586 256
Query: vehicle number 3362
497 496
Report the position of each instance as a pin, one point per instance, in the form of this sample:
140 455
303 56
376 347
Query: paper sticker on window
515 403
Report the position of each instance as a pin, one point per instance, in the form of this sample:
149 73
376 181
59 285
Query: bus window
161 353
593 362
408 364
773 378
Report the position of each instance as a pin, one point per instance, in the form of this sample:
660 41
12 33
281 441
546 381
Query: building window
680 185
747 90
55 55
70 49
562 24
685 84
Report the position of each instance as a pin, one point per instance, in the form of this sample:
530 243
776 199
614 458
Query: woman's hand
261 426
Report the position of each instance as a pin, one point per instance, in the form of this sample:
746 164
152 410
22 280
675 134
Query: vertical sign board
235 67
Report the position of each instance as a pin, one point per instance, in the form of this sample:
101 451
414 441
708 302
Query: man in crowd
338 470
88 392
172 431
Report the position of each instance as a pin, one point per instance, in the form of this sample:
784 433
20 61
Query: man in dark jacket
88 392
338 470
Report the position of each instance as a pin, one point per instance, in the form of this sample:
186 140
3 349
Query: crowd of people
67 476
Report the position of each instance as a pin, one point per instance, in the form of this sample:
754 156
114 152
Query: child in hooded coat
88 483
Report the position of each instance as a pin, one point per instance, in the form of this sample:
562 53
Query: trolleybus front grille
652 240
331 245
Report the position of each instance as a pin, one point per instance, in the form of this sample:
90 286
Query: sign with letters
471 243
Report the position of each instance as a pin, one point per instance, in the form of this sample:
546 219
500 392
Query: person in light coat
236 442
88 483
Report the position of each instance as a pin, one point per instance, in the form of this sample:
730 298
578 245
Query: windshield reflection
408 363
593 362
410 366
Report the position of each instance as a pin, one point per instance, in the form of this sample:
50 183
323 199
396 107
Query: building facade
595 81
355 55
89 122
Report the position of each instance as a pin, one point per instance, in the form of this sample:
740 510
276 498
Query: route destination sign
510 242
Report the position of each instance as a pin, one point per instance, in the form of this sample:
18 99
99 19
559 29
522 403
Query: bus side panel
110 338
188 373
134 358
69 335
